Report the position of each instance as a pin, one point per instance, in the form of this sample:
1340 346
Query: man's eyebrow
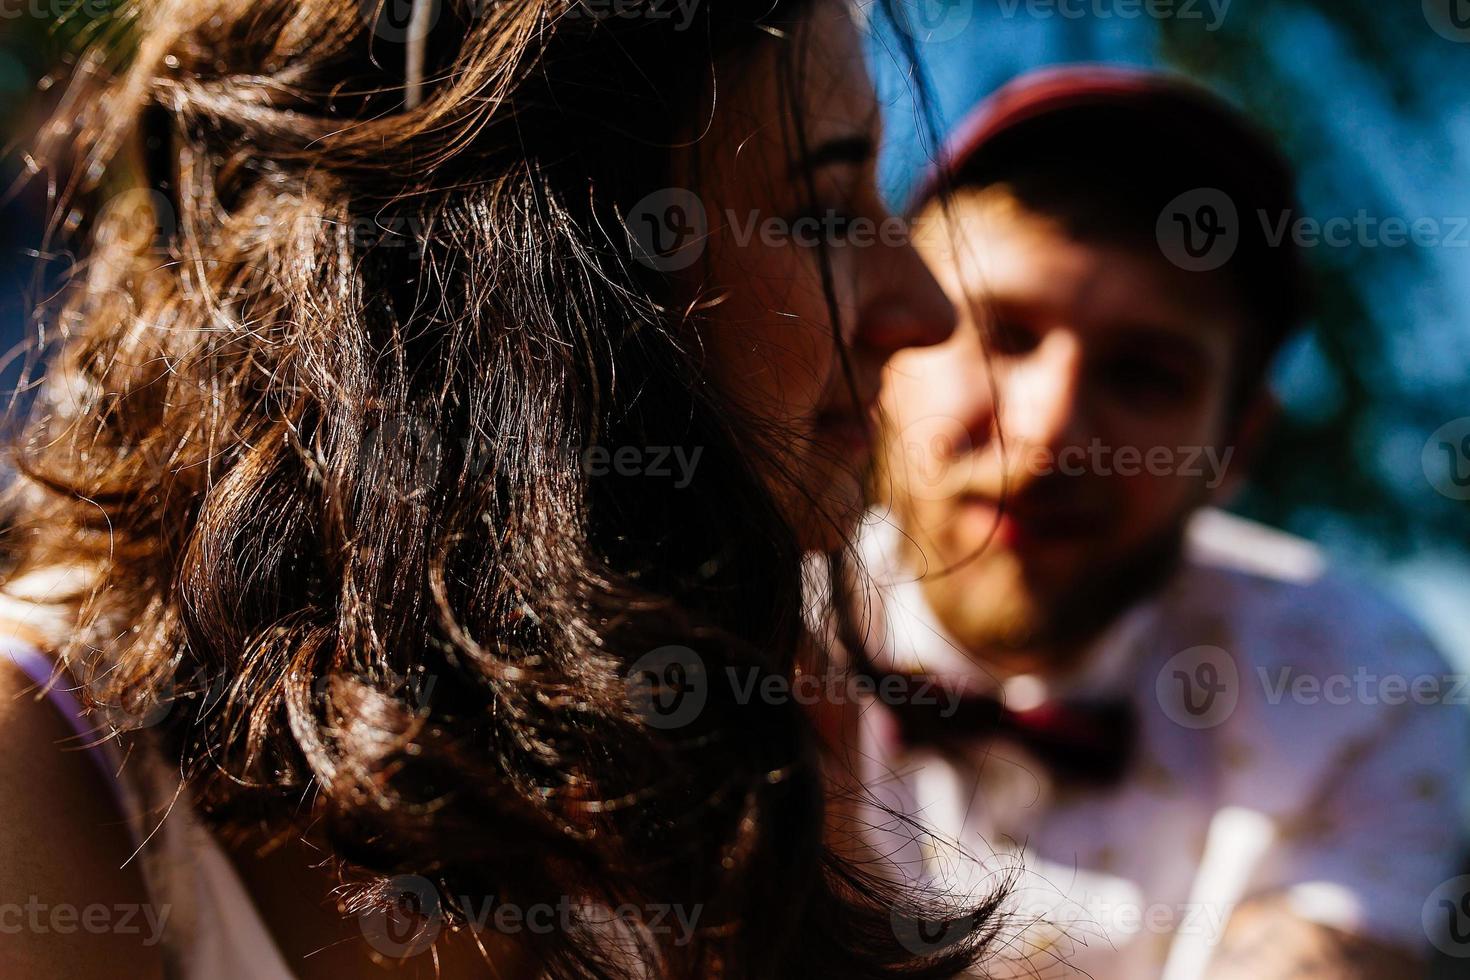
854 149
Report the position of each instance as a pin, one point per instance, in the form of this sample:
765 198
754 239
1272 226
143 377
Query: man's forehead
987 248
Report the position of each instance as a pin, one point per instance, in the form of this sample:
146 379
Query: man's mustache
1090 470
972 478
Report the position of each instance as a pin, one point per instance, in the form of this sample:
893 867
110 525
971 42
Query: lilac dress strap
214 932
41 669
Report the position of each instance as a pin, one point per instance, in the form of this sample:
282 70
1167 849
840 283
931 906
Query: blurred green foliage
1348 463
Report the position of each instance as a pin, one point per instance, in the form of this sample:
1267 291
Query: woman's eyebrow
855 149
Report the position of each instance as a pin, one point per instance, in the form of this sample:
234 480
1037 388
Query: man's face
1100 418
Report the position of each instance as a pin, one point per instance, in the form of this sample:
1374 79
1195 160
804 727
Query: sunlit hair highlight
317 394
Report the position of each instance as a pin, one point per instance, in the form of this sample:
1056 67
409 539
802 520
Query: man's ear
1252 425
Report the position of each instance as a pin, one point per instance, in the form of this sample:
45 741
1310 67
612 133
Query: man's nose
900 303
1042 402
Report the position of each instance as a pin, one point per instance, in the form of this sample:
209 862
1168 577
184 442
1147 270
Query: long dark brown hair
320 391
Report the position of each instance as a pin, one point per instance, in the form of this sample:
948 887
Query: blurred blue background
1369 100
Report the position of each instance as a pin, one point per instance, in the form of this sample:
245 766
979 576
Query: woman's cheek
795 341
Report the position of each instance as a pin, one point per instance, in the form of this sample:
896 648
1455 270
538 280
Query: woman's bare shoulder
71 902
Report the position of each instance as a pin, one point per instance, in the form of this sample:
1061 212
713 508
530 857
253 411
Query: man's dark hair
1106 170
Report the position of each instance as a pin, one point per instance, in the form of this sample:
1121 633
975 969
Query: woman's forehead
817 67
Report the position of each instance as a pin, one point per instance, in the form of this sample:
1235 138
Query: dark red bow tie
1081 742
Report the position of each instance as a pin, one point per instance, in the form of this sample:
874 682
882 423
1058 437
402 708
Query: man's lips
1022 524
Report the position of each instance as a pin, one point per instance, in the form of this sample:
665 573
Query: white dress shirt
1298 738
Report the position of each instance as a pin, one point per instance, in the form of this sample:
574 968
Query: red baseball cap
1147 139
1166 99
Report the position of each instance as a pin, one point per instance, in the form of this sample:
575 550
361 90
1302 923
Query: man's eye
1150 383
1009 339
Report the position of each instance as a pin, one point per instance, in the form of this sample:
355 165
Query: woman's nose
900 303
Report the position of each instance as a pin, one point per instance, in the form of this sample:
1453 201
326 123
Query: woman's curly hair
318 394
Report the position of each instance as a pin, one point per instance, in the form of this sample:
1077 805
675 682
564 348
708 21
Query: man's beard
993 609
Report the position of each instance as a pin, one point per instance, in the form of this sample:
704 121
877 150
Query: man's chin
1054 596
994 605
